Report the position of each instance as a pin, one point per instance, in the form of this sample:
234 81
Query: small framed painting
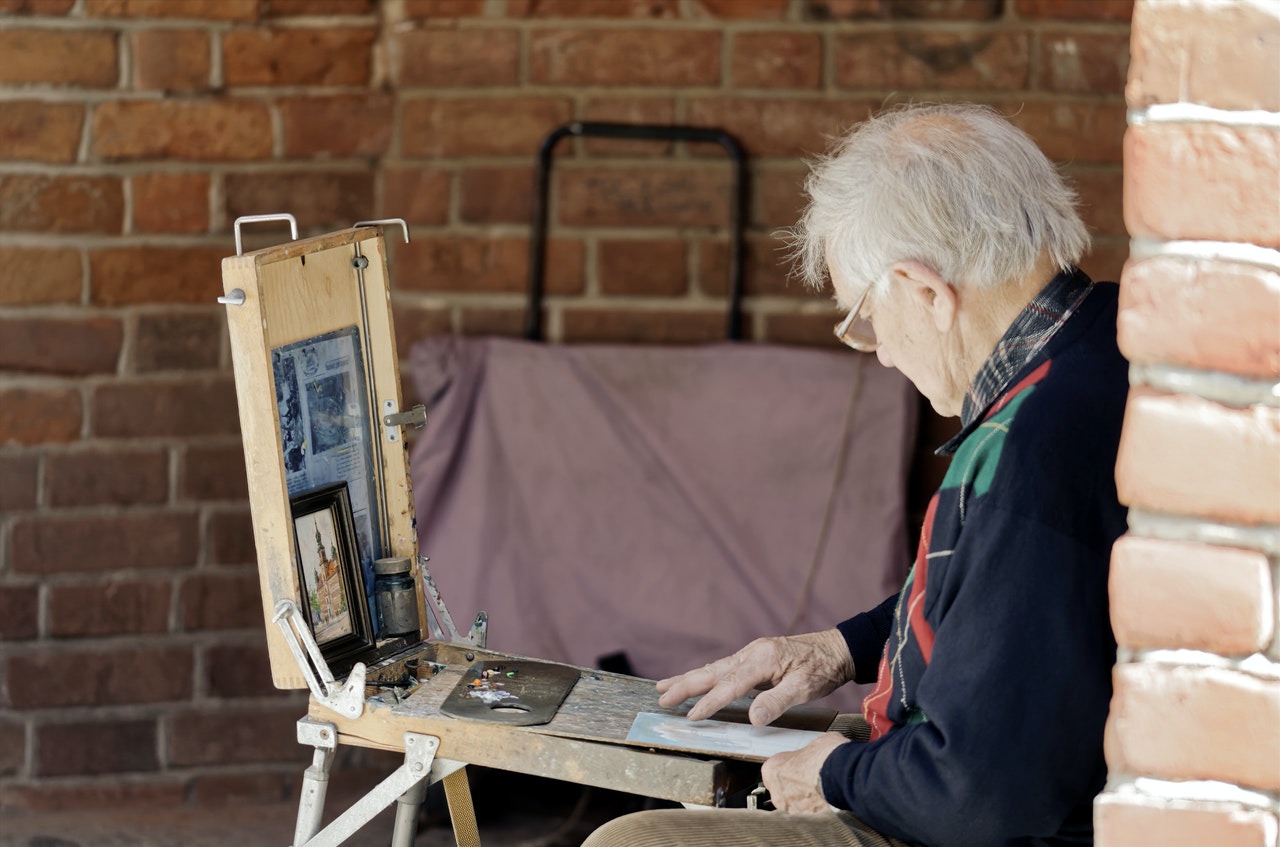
333 598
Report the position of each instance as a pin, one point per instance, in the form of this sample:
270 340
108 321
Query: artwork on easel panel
328 607
325 428
332 597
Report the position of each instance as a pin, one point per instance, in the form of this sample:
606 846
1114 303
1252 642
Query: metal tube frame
651 132
406 786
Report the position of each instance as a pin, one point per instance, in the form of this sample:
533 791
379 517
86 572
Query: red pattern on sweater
875 704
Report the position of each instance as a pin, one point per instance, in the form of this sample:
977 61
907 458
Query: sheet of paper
742 741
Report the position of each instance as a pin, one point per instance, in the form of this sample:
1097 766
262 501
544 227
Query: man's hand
793 778
799 668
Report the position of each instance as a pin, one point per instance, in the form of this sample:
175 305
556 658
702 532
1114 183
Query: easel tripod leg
407 806
419 753
457 792
315 779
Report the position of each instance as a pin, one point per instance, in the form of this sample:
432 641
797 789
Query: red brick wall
132 132
1200 456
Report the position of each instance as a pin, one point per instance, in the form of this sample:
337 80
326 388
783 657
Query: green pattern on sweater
974 465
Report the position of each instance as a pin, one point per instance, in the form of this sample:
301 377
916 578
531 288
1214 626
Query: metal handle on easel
404 227
253 219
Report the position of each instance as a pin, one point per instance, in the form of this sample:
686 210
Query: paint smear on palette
738 740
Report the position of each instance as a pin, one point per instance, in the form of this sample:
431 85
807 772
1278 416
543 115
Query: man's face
909 339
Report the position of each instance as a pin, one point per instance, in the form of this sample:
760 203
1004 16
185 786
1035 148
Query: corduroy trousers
736 828
745 827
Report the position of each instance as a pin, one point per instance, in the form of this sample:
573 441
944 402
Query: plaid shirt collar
1026 336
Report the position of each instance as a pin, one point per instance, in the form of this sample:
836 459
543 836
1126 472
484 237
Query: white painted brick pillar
1193 738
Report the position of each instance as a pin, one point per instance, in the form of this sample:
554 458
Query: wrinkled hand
799 668
792 778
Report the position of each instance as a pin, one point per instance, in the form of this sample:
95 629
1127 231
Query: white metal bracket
441 622
479 633
345 698
420 764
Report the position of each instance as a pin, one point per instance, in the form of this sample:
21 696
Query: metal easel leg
419 754
457 791
315 780
407 806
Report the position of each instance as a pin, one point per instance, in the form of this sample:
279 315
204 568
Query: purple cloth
665 502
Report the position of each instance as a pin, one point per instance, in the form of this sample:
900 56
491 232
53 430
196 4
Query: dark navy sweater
993 664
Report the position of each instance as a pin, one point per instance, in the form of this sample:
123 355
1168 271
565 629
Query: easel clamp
345 699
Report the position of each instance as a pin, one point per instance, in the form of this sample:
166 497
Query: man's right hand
799 668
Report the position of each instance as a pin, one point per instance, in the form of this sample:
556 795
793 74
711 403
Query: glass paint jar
395 598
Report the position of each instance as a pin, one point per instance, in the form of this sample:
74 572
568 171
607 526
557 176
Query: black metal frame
648 132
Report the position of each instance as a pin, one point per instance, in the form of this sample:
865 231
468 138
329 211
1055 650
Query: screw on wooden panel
360 263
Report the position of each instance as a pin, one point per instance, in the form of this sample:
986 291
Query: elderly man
951 241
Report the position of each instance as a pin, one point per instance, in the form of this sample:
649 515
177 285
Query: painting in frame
333 597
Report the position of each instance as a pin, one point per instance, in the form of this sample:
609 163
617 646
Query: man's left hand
793 778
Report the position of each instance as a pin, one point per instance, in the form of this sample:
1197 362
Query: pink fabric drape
664 502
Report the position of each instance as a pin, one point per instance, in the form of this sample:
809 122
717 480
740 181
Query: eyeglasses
858 332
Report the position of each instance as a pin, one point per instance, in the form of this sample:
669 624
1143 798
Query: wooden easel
305 289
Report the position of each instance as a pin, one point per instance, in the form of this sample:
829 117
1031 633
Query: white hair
955 187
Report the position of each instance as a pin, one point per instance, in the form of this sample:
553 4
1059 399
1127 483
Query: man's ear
929 291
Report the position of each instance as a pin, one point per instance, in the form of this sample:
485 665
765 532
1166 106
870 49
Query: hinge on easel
345 698
393 419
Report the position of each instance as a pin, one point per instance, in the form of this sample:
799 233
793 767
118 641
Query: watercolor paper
741 741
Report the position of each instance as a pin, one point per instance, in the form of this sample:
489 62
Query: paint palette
516 693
